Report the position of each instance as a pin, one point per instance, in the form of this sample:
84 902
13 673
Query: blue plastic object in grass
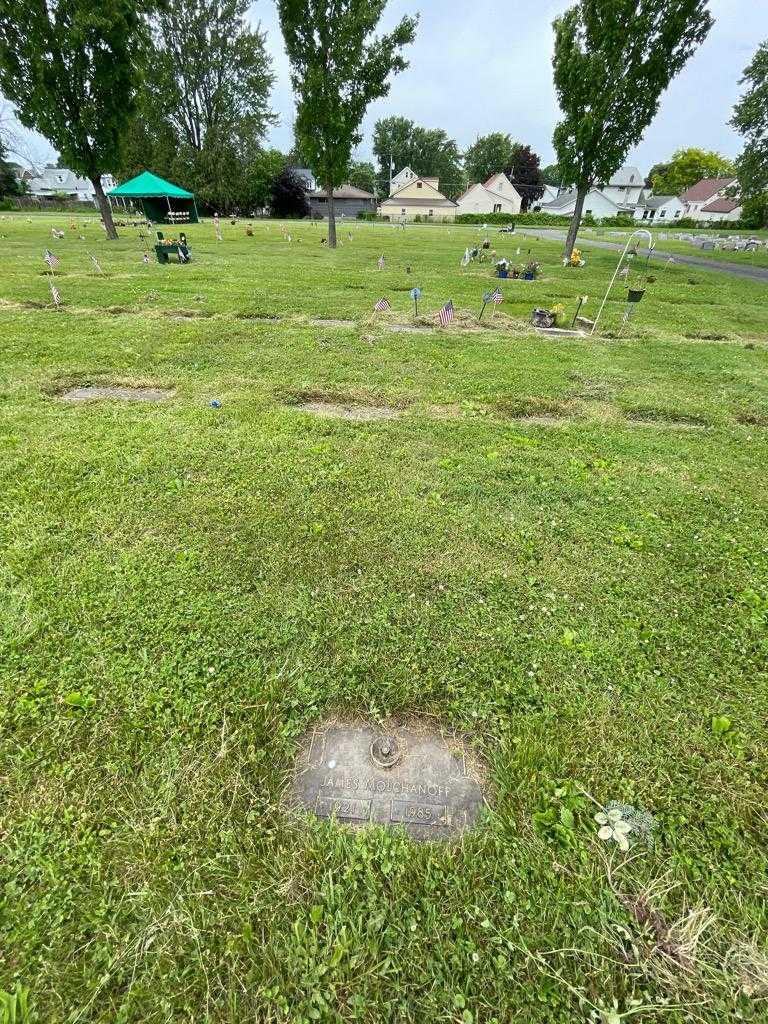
215 403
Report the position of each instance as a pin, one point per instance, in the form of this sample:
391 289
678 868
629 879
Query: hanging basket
635 294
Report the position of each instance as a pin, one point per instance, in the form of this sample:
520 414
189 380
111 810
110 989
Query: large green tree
337 68
427 151
488 155
73 70
552 175
750 119
686 167
362 175
205 109
612 61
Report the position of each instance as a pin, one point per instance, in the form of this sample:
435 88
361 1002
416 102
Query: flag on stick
446 314
96 264
380 263
382 305
50 259
55 294
487 296
415 295
496 296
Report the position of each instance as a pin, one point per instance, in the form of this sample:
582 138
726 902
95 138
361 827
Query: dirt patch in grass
125 394
100 385
706 336
665 419
258 316
752 419
33 304
409 329
189 314
333 405
331 322
540 412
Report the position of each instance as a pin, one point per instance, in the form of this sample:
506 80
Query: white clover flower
614 827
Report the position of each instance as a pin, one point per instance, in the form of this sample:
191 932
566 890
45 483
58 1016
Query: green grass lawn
559 550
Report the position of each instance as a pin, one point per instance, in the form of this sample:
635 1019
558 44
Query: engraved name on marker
412 778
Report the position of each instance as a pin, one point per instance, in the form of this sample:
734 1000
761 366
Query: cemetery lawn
559 549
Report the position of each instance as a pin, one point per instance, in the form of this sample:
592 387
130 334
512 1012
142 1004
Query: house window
645 215
677 213
402 211
662 213
431 212
497 207
589 213
419 184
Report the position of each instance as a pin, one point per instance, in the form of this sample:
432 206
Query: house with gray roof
348 201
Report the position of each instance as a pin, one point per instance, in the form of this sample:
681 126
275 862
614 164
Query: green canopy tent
162 202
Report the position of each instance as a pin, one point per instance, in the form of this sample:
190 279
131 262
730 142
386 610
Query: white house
496 195
625 188
549 195
403 177
721 209
660 208
706 192
55 181
596 204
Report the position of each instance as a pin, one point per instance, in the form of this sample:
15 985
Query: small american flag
145 258
96 264
497 297
446 314
50 259
55 295
382 305
380 263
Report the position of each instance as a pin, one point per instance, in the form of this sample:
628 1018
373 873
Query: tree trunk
104 207
331 219
573 229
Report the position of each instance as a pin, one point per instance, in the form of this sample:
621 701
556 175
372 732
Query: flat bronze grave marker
410 777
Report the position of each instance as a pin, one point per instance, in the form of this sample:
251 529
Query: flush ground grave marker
410 777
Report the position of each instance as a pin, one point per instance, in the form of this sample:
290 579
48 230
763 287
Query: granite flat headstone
409 777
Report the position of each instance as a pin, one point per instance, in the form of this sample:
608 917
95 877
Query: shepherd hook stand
651 247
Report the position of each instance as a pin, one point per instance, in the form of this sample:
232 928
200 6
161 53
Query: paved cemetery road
700 262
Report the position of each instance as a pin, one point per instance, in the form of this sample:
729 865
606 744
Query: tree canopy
73 69
362 174
205 110
750 119
525 173
337 68
612 61
686 167
488 155
429 152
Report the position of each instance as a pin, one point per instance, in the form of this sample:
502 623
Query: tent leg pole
194 203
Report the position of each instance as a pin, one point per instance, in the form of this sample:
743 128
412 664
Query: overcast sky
485 66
